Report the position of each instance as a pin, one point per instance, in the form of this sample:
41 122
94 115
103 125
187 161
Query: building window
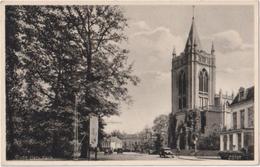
180 103
234 120
180 83
225 142
203 101
203 81
203 88
183 84
182 90
248 139
250 117
239 140
241 94
231 142
242 119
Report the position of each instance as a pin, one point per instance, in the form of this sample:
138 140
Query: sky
154 31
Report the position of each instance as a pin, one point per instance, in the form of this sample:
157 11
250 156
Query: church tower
193 75
193 89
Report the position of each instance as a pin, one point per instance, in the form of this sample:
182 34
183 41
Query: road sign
93 131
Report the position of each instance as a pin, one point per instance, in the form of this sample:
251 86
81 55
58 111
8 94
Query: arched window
206 87
203 81
182 90
180 83
203 88
183 84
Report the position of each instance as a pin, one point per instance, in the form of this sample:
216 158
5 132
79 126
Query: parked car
108 151
166 152
244 154
126 150
119 151
151 151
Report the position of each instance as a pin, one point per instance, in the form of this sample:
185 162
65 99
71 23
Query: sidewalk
186 157
198 158
209 157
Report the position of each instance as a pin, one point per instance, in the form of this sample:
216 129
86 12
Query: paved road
139 156
127 156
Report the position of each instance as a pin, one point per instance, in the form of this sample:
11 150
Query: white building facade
112 143
238 125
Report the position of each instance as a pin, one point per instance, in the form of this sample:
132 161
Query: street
134 156
140 156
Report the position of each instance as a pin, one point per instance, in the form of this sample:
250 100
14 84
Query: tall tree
69 53
48 69
13 79
99 31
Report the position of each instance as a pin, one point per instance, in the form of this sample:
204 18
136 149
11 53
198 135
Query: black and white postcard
129 82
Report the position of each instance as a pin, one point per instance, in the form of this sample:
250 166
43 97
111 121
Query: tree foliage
147 142
158 143
13 79
69 58
212 141
118 134
160 127
160 124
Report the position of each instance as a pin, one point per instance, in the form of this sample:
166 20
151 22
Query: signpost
93 133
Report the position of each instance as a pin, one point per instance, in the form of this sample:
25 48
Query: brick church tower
193 93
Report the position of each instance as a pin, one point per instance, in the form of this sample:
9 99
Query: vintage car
166 152
108 151
152 151
119 151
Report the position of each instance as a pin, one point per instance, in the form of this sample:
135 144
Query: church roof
193 38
